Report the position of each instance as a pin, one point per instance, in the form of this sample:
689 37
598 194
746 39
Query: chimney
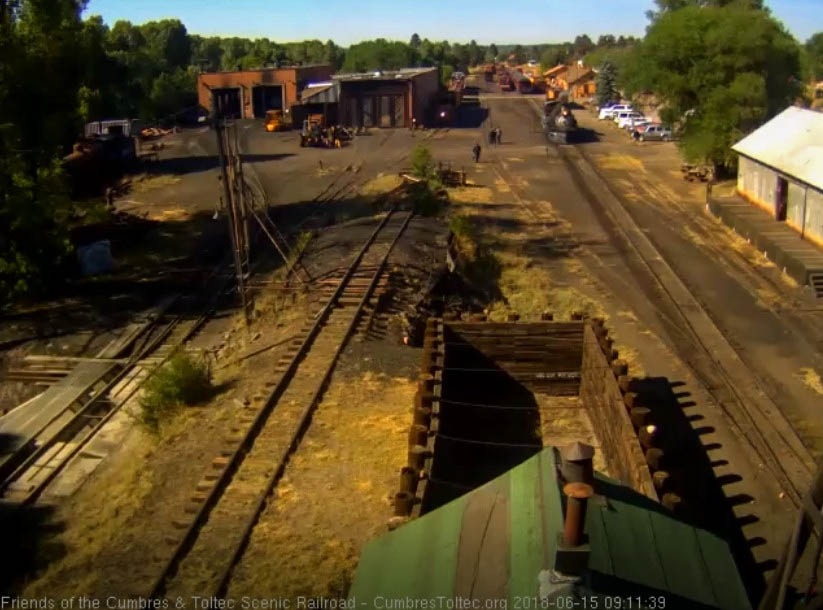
577 497
572 553
576 463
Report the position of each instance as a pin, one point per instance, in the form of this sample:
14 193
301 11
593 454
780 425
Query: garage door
385 111
266 97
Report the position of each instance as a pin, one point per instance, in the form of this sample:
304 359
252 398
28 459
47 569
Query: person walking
476 152
492 136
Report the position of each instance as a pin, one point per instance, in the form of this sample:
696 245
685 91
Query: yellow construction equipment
276 121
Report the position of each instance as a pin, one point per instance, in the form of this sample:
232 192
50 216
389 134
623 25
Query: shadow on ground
188 165
28 546
691 462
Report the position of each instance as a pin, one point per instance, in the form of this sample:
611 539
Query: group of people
495 137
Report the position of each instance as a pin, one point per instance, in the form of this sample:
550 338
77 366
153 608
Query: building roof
267 69
578 73
321 93
791 143
556 70
401 74
499 542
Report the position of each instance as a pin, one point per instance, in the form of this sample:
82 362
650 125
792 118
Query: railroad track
215 525
53 448
741 397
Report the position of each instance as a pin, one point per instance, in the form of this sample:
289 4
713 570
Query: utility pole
233 191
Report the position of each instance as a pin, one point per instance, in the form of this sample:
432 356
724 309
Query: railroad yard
399 357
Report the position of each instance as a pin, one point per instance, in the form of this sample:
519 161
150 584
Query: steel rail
303 425
754 436
216 491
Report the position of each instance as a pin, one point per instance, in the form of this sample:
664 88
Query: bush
183 380
422 162
461 226
427 201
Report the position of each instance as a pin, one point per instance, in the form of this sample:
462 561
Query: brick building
250 93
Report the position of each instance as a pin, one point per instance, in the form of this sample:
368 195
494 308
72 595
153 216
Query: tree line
719 68
726 64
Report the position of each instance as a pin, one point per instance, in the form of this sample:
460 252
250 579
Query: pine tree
606 83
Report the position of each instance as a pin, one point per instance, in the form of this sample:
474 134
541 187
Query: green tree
727 69
607 40
582 45
519 54
415 41
167 43
475 54
493 50
379 54
446 72
206 53
173 91
40 46
553 56
334 55
668 6
606 83
814 53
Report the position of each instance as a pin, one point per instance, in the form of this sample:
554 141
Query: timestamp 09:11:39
599 602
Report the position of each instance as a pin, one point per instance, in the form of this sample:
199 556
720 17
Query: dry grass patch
382 183
471 194
620 162
811 379
148 182
336 492
529 290
96 517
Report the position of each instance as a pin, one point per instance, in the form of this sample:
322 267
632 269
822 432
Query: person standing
476 152
499 135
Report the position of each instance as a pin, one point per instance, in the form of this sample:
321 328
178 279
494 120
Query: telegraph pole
233 192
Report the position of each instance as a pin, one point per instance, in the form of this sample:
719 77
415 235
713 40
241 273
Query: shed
781 170
497 544
387 98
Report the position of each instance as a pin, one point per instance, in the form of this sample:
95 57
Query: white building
781 170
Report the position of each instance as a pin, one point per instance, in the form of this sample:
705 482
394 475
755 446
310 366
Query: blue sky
348 21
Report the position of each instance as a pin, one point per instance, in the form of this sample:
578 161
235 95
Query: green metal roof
494 542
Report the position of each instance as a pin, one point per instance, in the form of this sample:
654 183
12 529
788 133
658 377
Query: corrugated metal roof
499 541
792 143
323 94
402 73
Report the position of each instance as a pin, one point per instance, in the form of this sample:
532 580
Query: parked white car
626 118
609 111
621 117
